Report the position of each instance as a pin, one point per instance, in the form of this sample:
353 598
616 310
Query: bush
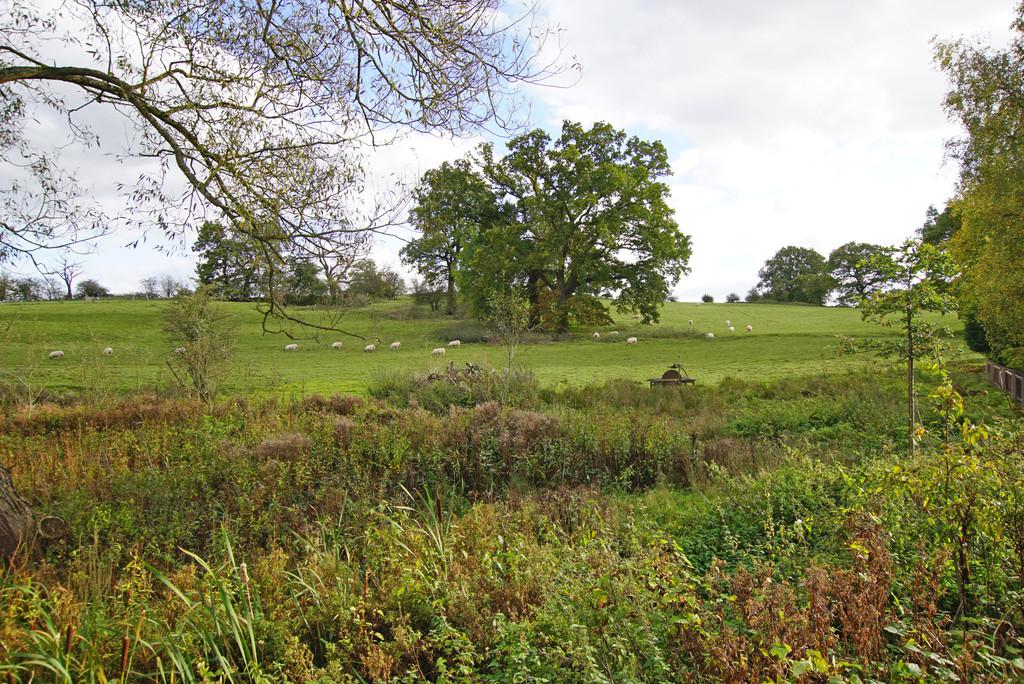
1013 358
732 298
974 334
203 337
468 331
707 299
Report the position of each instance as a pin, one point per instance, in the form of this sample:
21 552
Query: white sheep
179 350
395 346
732 329
728 323
437 351
57 354
291 347
613 333
710 336
370 348
597 335
455 343
630 340
690 322
107 351
750 328
337 345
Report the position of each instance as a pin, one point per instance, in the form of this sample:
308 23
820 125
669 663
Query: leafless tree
150 287
66 271
53 288
169 285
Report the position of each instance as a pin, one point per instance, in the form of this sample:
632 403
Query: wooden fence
1010 381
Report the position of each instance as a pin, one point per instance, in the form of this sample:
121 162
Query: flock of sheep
437 351
394 346
710 335
58 354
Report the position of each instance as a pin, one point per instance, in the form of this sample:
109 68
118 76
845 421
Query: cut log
15 517
20 528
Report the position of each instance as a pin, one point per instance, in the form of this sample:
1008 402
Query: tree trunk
563 310
451 294
533 295
16 518
910 384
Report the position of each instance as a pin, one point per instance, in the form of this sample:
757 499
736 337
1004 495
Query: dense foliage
438 535
795 274
985 97
565 221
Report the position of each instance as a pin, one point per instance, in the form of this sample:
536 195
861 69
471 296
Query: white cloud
810 122
792 122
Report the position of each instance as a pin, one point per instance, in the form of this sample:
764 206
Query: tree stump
20 528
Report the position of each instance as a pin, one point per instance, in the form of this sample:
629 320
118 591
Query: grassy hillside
786 341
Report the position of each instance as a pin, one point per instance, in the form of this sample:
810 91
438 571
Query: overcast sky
804 122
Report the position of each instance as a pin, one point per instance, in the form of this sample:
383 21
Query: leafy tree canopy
230 263
852 271
795 274
987 97
453 204
90 288
938 226
585 215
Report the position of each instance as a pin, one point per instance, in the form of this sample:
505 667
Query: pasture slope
786 340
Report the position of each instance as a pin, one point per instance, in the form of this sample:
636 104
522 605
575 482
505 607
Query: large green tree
231 264
584 215
852 271
987 97
453 204
795 274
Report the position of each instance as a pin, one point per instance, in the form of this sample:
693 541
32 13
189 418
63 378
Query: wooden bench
672 377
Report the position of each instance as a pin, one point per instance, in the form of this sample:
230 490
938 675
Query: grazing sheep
750 328
630 340
455 343
613 333
395 346
437 351
710 336
728 323
370 348
597 335
57 354
732 329
107 351
179 350
337 345
690 322
291 347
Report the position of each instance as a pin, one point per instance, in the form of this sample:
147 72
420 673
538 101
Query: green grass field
786 340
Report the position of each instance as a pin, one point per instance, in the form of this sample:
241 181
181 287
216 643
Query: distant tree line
235 267
17 288
849 274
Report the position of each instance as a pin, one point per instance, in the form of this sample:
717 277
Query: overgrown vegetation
745 532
